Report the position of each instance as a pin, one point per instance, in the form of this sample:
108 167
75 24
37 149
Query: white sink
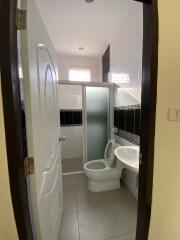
129 157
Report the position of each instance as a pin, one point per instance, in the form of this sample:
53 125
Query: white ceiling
74 23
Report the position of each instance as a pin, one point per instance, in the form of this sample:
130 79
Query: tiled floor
72 165
97 216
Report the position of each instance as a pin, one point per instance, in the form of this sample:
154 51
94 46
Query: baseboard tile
72 173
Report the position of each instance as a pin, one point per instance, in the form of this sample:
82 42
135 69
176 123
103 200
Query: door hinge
28 166
21 20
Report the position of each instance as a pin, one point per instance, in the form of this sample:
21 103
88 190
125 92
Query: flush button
174 114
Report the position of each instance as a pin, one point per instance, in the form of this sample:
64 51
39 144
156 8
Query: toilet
104 174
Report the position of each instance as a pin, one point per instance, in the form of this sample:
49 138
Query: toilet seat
109 152
102 164
96 165
101 174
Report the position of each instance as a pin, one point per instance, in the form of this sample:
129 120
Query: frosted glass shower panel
97 126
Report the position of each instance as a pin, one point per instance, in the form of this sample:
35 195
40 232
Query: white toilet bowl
104 174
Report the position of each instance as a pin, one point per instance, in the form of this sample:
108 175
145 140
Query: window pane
80 75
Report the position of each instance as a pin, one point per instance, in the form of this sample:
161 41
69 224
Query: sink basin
129 157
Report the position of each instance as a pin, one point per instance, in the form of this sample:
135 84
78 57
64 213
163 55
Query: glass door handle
62 139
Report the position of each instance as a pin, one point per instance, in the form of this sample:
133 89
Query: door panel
43 131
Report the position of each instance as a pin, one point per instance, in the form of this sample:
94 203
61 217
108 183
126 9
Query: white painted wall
69 97
123 98
126 57
92 63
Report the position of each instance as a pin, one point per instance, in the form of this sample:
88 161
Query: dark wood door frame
13 122
12 117
148 114
106 64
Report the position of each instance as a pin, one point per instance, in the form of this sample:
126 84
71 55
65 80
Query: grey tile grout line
61 227
77 211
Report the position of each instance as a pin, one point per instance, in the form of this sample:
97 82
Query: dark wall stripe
106 64
127 121
70 117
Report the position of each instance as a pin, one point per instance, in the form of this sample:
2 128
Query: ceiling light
81 48
89 1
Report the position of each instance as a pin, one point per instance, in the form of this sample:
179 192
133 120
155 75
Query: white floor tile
97 216
69 227
94 224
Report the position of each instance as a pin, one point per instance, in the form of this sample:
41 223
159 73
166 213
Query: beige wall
7 223
165 221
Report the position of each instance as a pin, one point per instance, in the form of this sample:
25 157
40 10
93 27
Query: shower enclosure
96 121
97 100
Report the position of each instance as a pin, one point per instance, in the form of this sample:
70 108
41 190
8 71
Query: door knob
62 139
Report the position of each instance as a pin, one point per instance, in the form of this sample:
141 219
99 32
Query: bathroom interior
99 103
99 99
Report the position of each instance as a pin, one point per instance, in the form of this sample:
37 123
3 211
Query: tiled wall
70 111
127 121
72 148
70 117
126 50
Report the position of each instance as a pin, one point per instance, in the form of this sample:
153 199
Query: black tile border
135 139
136 106
70 117
123 122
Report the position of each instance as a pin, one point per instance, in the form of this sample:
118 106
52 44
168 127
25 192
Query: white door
43 125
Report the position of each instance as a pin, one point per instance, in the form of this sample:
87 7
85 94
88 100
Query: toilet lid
109 152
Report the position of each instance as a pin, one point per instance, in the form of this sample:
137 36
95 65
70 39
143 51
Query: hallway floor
97 216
